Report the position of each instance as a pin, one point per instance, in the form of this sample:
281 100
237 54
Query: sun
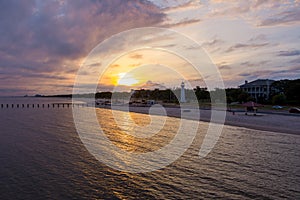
126 79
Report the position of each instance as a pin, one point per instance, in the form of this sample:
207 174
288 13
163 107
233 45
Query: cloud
174 4
213 45
149 85
278 73
254 64
39 76
243 46
297 61
152 85
289 53
183 6
114 66
260 37
52 37
44 41
258 12
183 22
256 74
295 68
224 67
231 9
196 80
214 42
283 18
136 56
245 74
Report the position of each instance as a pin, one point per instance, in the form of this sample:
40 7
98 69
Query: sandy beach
289 124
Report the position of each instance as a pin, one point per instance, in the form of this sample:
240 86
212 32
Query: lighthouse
182 94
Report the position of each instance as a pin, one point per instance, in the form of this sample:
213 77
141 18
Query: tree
236 95
289 88
201 93
279 99
292 92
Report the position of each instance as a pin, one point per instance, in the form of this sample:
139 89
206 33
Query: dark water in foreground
41 156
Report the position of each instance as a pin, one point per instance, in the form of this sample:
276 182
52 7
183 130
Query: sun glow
126 79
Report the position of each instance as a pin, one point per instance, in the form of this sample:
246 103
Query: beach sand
289 124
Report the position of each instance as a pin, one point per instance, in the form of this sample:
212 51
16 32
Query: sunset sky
44 42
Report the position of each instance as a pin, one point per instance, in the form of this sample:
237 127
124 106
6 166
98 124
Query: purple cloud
289 53
290 16
242 46
49 39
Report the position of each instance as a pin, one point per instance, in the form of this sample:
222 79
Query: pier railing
42 105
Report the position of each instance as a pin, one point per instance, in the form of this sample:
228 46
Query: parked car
277 107
294 110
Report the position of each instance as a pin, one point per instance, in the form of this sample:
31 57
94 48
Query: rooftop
257 82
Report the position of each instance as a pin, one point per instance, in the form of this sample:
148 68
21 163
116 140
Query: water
42 157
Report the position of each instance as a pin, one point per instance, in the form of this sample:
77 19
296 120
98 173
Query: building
259 89
150 102
182 93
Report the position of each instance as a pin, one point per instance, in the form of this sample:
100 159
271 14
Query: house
150 102
259 89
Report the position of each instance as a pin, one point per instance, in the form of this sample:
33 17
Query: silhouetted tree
279 99
289 88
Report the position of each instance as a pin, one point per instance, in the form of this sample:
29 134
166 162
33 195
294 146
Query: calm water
41 156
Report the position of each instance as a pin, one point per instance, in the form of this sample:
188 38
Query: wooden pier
42 105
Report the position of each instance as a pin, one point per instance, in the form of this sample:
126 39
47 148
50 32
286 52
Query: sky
43 43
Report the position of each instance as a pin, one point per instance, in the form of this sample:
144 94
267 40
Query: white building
258 89
182 94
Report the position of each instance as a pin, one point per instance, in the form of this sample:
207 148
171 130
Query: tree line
285 92
282 92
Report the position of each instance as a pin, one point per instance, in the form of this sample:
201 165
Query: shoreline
264 122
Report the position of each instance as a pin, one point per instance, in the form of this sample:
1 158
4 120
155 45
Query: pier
42 105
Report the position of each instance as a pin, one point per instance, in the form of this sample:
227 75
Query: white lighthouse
182 95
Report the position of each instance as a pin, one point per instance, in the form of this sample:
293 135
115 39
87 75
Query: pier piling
42 105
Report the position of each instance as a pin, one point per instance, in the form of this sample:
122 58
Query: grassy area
207 105
265 108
